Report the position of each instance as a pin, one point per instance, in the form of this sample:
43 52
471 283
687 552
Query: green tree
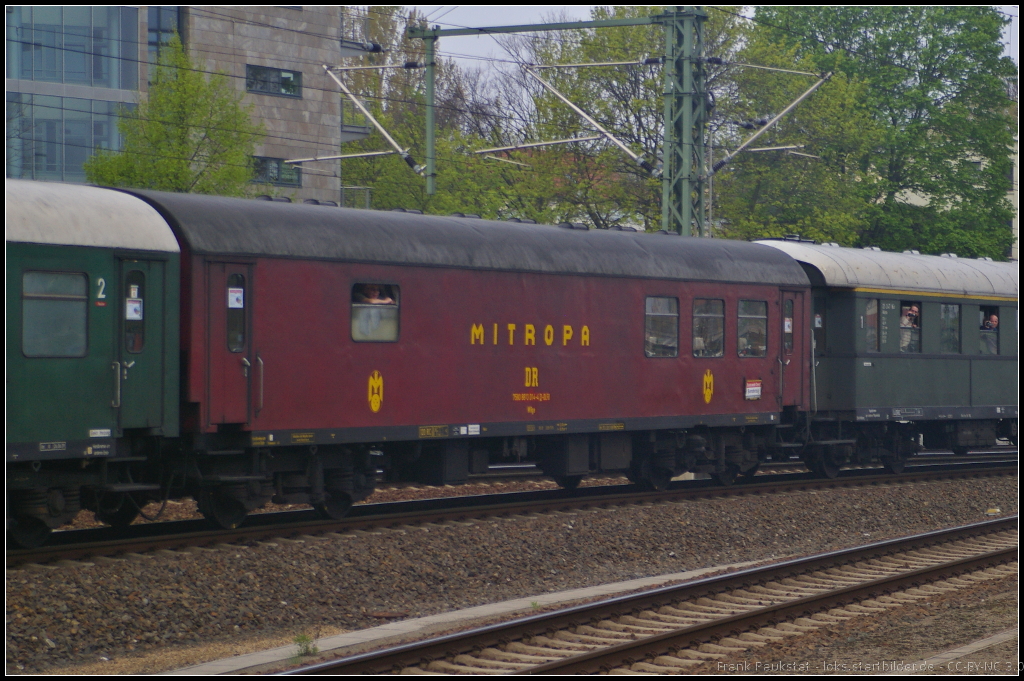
466 182
191 134
821 192
936 85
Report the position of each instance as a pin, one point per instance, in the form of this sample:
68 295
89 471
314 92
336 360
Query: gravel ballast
173 602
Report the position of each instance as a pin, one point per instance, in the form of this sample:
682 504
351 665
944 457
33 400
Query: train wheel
567 481
28 532
222 509
827 465
894 464
751 472
120 513
335 507
727 476
661 478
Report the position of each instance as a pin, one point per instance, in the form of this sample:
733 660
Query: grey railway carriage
909 350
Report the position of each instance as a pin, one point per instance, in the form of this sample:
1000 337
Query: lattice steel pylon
683 171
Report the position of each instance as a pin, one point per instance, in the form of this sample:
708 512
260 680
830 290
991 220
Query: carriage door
792 348
230 341
140 366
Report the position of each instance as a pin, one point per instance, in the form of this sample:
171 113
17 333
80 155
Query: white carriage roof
78 215
859 268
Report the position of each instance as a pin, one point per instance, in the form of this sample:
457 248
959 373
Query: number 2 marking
101 284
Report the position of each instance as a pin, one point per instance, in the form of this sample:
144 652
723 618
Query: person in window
990 335
909 323
371 294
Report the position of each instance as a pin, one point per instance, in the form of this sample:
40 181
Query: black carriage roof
239 227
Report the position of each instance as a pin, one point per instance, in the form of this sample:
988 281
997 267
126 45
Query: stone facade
294 40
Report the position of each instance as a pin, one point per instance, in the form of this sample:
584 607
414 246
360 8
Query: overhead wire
441 106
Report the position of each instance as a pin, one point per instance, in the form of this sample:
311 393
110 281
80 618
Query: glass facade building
69 70
91 46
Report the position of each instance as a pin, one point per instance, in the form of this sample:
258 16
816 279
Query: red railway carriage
316 339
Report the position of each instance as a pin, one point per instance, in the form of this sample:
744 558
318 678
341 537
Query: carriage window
375 313
949 329
236 313
989 325
752 328
134 311
54 307
910 326
869 322
661 328
708 328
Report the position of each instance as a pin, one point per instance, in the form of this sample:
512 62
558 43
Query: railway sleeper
546 654
638 627
486 663
559 643
673 662
600 639
445 667
506 656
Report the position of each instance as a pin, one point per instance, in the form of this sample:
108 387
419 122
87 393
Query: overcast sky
474 48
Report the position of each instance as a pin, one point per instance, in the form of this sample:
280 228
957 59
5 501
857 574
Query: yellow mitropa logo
709 386
375 391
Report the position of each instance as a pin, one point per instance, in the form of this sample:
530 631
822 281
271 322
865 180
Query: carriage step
787 445
127 487
833 442
224 452
234 478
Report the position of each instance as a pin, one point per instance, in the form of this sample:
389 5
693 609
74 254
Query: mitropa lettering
528 334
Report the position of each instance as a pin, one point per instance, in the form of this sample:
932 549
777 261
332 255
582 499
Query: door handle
245 366
259 360
116 366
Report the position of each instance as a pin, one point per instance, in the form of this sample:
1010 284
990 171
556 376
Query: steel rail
388 660
483 506
634 651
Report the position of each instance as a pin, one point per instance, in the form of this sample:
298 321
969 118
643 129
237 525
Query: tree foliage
191 134
936 89
396 98
906 146
822 190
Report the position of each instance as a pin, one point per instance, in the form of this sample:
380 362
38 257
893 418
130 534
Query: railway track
667 629
93 544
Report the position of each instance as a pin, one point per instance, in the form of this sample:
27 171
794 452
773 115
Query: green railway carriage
925 344
92 349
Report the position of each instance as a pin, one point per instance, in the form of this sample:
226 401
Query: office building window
94 46
270 81
162 25
50 138
276 171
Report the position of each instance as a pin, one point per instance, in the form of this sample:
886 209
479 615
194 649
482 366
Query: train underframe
229 483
